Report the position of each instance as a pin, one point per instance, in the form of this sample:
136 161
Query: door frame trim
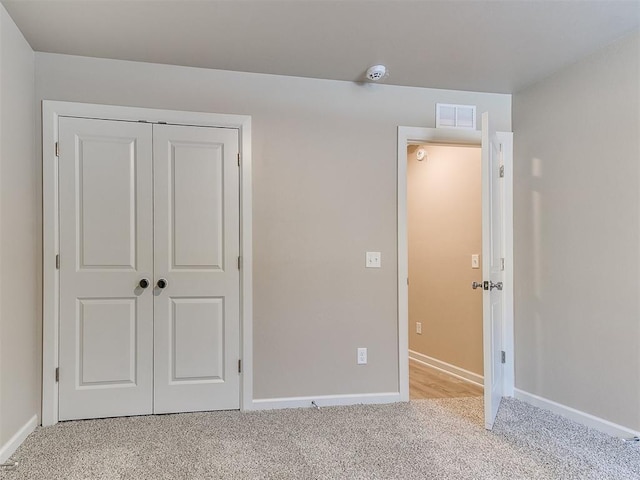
416 135
51 111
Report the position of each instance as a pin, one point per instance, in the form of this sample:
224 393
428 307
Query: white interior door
158 203
492 269
197 338
106 248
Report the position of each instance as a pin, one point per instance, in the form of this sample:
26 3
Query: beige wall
577 235
20 246
444 214
324 189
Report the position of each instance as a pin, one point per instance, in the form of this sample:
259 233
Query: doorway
496 261
147 224
444 225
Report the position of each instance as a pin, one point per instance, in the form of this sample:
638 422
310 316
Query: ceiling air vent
455 116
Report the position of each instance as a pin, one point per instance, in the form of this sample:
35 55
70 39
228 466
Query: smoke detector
376 73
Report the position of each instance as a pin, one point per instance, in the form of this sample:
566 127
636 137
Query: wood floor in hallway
428 382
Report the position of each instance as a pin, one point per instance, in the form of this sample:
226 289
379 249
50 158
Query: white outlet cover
362 356
475 260
373 260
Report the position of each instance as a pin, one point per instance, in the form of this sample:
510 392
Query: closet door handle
144 283
162 283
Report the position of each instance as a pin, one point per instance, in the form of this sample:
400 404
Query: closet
149 281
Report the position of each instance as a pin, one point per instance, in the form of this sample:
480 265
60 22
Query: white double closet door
155 202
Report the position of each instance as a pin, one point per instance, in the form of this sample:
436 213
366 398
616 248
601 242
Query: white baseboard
577 416
324 400
461 373
14 442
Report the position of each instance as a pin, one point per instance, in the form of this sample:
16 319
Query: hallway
428 382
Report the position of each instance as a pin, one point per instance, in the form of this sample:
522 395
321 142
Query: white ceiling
491 46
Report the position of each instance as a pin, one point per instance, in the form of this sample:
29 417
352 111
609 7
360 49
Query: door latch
486 285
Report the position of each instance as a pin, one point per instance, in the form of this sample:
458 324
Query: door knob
162 283
144 283
497 285
476 285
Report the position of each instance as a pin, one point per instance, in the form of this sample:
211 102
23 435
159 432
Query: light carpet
423 439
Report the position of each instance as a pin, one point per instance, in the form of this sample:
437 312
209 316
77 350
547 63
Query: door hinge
58 262
57 374
501 171
239 366
502 264
503 357
239 263
238 159
57 149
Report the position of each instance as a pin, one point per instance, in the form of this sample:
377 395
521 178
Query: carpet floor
423 439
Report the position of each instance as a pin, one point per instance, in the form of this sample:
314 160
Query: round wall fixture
421 154
376 73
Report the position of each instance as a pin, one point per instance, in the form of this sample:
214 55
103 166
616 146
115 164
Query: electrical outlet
373 260
362 356
419 328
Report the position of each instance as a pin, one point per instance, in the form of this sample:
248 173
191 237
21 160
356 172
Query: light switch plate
373 260
475 260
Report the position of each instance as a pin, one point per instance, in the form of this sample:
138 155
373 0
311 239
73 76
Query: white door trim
51 110
413 135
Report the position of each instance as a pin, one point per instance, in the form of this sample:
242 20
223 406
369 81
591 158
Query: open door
492 269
